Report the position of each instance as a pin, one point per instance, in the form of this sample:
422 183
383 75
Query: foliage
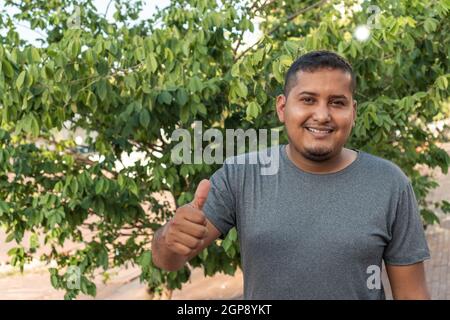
130 83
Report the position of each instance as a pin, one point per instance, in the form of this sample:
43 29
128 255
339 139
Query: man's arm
185 235
408 282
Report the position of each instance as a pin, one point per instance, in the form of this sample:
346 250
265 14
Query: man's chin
317 154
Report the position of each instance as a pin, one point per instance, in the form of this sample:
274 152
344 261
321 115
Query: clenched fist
186 232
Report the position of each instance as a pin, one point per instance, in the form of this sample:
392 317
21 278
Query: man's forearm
421 294
162 257
408 282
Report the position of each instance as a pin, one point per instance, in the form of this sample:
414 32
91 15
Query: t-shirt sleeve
408 244
220 206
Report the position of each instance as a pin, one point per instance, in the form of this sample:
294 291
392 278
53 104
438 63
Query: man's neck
343 159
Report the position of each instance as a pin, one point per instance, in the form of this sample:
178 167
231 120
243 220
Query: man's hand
186 232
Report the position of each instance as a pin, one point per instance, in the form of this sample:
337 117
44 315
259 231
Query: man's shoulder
383 168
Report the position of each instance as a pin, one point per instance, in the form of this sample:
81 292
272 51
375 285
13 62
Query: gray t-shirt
317 236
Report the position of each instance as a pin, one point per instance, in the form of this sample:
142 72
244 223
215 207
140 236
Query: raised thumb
201 194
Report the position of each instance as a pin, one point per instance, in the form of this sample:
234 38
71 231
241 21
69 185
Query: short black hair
316 60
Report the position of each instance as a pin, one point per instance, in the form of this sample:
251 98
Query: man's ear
355 109
280 105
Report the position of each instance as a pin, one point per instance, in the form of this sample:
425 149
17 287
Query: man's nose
321 112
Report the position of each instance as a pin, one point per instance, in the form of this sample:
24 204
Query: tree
129 85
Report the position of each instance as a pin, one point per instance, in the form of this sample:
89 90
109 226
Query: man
320 227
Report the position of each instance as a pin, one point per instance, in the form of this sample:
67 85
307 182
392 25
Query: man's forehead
323 80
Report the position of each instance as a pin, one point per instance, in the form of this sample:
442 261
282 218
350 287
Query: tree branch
241 36
289 18
107 8
296 14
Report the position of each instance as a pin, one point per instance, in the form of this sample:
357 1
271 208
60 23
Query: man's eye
338 103
307 100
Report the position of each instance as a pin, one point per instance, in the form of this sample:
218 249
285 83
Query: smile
322 132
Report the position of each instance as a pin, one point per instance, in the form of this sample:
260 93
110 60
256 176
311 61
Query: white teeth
318 131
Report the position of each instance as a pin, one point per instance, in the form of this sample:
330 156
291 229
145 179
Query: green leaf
54 281
102 259
89 57
74 186
201 108
133 187
74 48
226 244
102 89
285 60
445 206
31 125
420 95
241 89
429 216
10 237
442 82
8 69
103 68
152 65
232 234
182 97
184 113
235 70
204 254
130 82
35 55
20 79
121 181
4 208
12 252
34 241
99 186
430 25
140 53
353 51
165 97
253 109
91 101
258 56
145 259
195 84
100 205
291 47
84 285
276 71
144 118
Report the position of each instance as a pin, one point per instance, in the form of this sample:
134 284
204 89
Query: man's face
318 113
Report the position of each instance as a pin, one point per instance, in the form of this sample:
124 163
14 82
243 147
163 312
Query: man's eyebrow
339 96
308 92
335 96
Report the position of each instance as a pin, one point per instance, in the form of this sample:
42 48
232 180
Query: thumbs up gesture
186 232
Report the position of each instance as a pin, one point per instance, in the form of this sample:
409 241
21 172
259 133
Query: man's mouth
319 131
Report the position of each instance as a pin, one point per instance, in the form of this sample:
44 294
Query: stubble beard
318 154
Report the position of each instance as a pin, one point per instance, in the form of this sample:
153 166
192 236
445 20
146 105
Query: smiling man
322 225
